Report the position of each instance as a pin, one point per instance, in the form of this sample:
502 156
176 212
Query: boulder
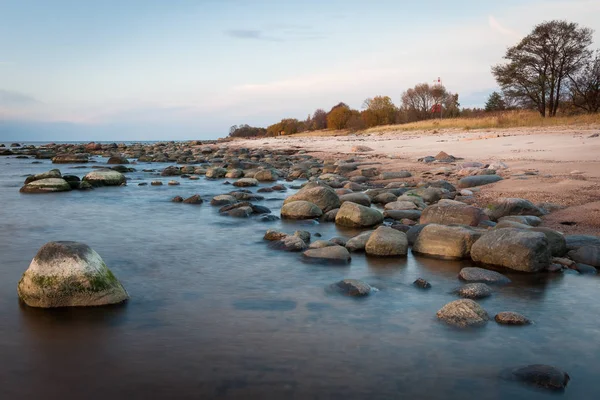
522 219
385 198
400 205
195 199
394 175
70 159
422 283
413 233
576 241
356 216
358 242
474 291
171 171
304 235
352 287
358 198
292 243
589 255
447 213
234 173
330 216
273 235
105 177
319 244
478 180
512 206
69 274
543 376
511 318
177 199
216 173
323 197
118 160
48 185
556 241
266 175
300 210
399 215
333 253
386 241
223 200
442 241
53 173
475 274
463 313
245 182
516 249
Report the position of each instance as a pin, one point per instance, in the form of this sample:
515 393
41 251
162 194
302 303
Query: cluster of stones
54 181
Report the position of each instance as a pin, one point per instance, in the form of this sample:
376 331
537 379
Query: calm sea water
216 313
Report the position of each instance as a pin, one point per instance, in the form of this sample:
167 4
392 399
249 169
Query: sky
183 69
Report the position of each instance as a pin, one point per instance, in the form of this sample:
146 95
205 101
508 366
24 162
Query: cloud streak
498 27
277 33
9 98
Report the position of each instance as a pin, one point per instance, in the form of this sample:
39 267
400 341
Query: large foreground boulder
451 242
53 173
385 242
48 185
512 206
517 249
300 210
69 274
323 196
452 212
463 313
105 177
356 216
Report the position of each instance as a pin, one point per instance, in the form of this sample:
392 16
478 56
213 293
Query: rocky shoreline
433 212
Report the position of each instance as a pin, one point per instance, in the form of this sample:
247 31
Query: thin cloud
10 98
498 27
277 33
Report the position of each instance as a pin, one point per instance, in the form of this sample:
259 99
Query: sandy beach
549 165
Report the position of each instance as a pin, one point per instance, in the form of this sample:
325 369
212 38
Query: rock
156 183
478 180
413 233
386 241
245 182
585 269
444 157
463 313
260 209
512 206
273 235
195 199
173 183
429 195
360 149
171 171
466 192
319 244
556 241
422 284
216 173
240 212
474 291
292 243
576 241
177 199
511 318
323 197
70 159
516 249
475 274
300 210
358 198
268 218
522 219
53 173
304 235
543 376
358 242
105 177
446 213
356 216
223 200
266 175
330 216
399 215
330 253
235 173
48 185
394 175
69 274
385 198
449 242
589 255
117 160
400 205
352 287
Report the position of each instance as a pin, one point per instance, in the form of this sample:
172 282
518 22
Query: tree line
552 69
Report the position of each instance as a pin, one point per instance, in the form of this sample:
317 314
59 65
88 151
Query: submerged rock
68 274
511 318
543 376
422 284
474 291
475 274
352 287
333 253
463 313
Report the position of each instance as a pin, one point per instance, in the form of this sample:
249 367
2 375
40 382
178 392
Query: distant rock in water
463 313
69 274
117 160
70 159
105 177
543 376
48 185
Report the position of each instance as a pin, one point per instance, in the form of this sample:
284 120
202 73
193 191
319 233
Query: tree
338 117
539 65
319 119
418 102
287 126
380 110
245 130
585 86
495 102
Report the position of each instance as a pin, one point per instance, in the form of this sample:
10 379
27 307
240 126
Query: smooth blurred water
216 313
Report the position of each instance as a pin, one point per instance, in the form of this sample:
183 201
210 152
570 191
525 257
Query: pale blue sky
182 69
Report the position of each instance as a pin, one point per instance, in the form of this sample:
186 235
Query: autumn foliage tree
379 110
338 117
